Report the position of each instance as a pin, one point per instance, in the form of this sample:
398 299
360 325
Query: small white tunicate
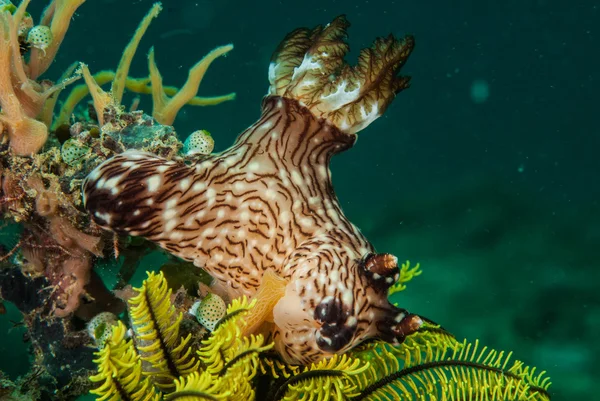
198 143
40 37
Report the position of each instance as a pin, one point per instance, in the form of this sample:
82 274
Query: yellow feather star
229 365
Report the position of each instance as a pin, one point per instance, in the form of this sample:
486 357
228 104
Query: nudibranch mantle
266 206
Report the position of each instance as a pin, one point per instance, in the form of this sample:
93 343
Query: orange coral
26 135
22 99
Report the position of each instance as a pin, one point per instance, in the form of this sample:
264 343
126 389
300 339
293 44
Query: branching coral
165 109
58 17
430 364
27 105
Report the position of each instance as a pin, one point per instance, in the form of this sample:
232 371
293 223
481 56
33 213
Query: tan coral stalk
102 100
77 94
58 16
118 85
48 110
26 135
165 109
135 85
30 93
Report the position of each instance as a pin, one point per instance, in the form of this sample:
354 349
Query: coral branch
102 100
165 109
26 135
58 15
48 111
135 85
77 94
118 85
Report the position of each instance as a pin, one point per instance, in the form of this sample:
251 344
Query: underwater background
485 171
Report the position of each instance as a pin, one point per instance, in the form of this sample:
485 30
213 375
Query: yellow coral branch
165 109
48 109
76 95
136 85
118 85
101 99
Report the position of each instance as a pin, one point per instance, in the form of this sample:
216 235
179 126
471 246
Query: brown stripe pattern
267 202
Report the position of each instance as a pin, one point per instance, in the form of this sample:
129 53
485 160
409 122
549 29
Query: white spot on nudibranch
184 184
152 183
169 214
170 225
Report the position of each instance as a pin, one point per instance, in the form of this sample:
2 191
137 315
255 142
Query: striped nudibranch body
266 203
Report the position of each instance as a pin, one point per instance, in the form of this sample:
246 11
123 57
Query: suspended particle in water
480 91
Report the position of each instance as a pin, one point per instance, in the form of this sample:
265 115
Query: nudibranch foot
309 66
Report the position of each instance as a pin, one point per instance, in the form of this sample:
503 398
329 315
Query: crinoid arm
309 67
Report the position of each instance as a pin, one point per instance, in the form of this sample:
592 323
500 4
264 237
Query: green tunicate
100 327
74 152
40 36
100 330
7 6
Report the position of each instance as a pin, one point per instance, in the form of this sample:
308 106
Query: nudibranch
262 217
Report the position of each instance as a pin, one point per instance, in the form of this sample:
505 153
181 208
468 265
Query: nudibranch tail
309 67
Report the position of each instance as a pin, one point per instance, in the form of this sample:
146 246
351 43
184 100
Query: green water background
496 196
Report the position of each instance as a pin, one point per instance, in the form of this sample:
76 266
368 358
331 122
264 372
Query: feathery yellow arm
165 355
120 371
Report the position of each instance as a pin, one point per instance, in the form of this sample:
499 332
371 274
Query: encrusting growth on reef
43 160
25 118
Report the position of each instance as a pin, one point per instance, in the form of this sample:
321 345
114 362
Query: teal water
485 171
